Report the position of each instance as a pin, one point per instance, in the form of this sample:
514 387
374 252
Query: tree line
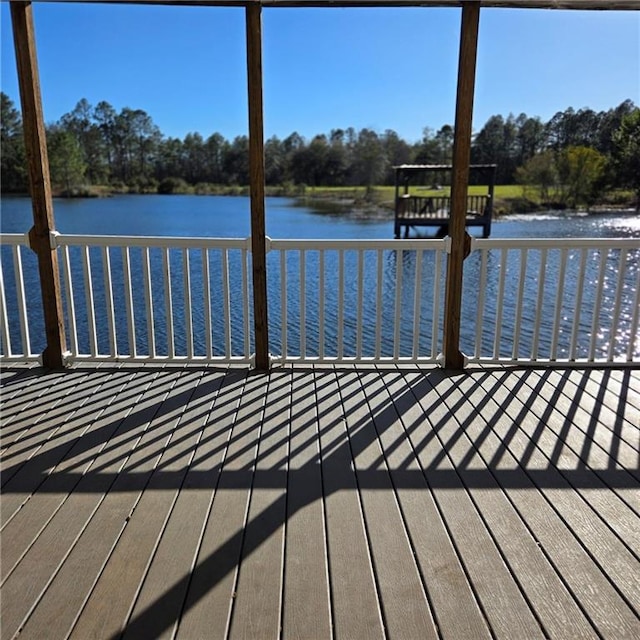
125 150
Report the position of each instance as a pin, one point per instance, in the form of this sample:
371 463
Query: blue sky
325 68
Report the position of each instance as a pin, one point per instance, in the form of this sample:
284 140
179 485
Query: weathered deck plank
396 416
161 599
403 598
209 601
605 607
25 411
584 412
70 553
600 477
356 605
319 502
16 378
27 464
529 567
106 612
499 595
26 514
257 605
619 404
306 603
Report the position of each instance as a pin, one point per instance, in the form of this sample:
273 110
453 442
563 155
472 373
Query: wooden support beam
453 357
39 181
256 175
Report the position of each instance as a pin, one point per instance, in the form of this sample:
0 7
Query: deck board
603 425
106 611
588 480
27 513
306 603
74 530
528 566
175 553
356 605
588 531
257 604
500 597
572 433
454 605
402 593
320 502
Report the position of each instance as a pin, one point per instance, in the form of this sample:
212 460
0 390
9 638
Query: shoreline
360 208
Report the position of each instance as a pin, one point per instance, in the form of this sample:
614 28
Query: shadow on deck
195 502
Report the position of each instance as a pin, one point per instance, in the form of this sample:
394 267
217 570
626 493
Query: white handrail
554 243
564 300
359 245
150 241
583 305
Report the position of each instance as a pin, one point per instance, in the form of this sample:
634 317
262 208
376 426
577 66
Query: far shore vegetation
578 159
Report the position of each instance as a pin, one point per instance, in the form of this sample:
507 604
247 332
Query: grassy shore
508 198
201 189
378 200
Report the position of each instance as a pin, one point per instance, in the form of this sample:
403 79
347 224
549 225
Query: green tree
104 115
369 158
215 148
136 140
396 151
626 153
444 140
80 122
579 170
538 176
66 163
274 161
427 150
337 161
610 122
195 158
13 171
496 143
236 161
530 138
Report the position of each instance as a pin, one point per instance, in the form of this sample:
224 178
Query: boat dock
414 210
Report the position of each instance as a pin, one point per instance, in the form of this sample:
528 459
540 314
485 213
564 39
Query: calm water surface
228 217
214 216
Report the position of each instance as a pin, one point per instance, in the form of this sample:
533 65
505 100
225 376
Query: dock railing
438 207
140 299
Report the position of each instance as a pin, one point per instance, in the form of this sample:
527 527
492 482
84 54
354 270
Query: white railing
145 299
184 299
562 300
20 303
356 301
158 299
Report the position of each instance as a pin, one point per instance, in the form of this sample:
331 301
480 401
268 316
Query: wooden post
453 357
486 229
39 181
256 171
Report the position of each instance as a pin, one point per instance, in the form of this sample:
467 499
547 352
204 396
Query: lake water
228 217
214 216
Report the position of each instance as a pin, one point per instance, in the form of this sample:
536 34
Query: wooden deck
150 502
